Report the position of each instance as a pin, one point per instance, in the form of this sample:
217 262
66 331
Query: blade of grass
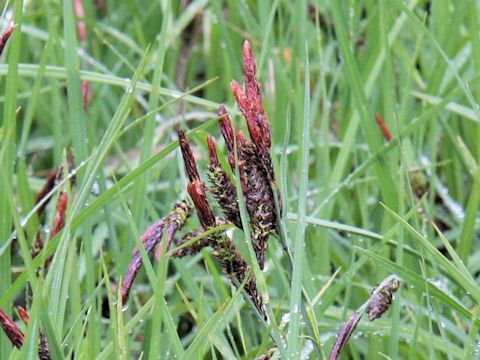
462 279
7 156
468 233
293 336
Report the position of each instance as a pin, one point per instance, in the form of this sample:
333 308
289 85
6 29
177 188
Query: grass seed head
222 188
168 226
381 301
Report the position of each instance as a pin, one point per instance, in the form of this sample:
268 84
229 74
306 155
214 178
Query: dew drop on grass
129 88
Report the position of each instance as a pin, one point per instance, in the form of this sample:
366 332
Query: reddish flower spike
212 151
383 127
196 190
59 220
244 105
11 330
189 160
252 87
5 36
254 96
23 314
226 128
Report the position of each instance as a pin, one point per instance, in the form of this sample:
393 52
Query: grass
357 208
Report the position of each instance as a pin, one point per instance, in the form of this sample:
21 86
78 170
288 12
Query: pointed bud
383 127
243 103
344 334
226 128
212 151
196 190
5 36
59 219
11 330
189 160
23 314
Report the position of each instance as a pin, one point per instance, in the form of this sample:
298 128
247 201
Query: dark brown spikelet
222 188
51 181
224 250
43 351
344 334
259 200
236 268
256 187
49 185
5 36
193 248
188 159
255 165
381 301
11 330
196 188
168 226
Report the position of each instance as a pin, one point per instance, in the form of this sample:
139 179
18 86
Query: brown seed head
222 188
195 247
233 263
381 301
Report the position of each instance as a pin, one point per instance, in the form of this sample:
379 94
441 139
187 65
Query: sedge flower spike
224 250
257 177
